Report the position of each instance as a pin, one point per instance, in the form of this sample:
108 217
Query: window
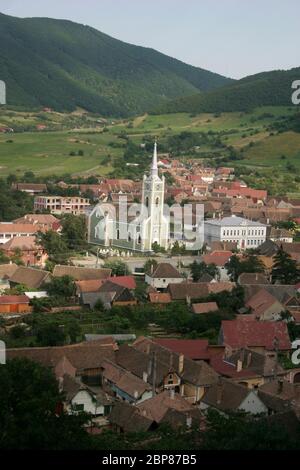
78 407
157 201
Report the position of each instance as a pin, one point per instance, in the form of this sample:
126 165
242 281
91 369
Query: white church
137 227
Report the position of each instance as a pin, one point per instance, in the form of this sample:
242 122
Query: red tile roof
14 299
160 297
205 307
240 334
219 258
124 281
191 348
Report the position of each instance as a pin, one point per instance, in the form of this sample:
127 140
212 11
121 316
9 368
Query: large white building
137 232
246 233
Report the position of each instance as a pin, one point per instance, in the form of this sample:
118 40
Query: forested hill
263 89
64 65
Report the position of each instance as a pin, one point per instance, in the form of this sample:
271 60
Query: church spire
154 168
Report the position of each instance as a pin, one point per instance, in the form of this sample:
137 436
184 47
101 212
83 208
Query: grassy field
55 150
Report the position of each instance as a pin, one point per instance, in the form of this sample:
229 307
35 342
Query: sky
235 38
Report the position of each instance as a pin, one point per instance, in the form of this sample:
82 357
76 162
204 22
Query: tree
285 270
118 268
73 330
61 287
251 264
151 264
54 245
178 249
74 232
199 269
49 334
29 397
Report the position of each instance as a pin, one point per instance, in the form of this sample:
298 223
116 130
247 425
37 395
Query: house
45 222
219 259
172 370
78 360
155 408
30 188
189 291
160 298
9 230
59 205
109 293
93 285
279 396
227 396
81 274
252 278
265 306
205 307
280 235
82 398
247 367
246 233
31 253
195 349
260 336
126 418
179 419
32 278
163 275
12 304
123 384
6 271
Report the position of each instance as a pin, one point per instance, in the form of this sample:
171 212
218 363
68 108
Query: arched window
139 239
129 237
157 201
118 234
147 202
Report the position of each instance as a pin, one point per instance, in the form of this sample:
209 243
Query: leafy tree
49 334
178 249
61 287
29 398
199 269
119 268
73 330
285 270
150 264
74 232
54 245
251 264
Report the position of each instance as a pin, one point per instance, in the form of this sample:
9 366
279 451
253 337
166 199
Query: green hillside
64 65
263 89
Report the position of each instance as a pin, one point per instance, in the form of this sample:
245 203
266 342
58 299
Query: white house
226 396
81 398
9 230
163 275
246 233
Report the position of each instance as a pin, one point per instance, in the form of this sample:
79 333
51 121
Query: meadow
81 143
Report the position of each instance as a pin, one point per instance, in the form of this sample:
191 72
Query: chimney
145 377
180 363
60 384
136 394
256 277
249 359
280 386
219 391
172 393
189 421
239 365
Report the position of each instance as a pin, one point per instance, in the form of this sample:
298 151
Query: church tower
155 228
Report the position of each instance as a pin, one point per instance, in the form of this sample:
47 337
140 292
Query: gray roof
234 221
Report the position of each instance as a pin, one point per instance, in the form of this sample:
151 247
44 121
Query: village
162 333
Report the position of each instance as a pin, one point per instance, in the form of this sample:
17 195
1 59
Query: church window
147 201
157 201
129 237
118 234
